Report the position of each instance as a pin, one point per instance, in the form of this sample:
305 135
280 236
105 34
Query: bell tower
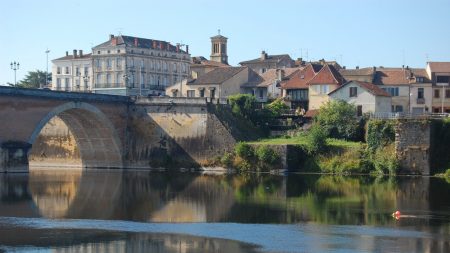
219 48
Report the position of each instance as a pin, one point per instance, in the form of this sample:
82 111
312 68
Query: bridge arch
95 135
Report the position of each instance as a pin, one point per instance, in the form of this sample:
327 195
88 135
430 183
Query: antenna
426 57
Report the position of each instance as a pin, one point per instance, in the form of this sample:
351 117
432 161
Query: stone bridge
111 131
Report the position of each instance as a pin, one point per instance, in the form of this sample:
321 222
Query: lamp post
46 73
86 80
15 66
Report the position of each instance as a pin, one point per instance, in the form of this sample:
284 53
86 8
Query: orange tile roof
370 87
439 66
327 75
299 79
392 76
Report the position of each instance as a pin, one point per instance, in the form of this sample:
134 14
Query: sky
364 33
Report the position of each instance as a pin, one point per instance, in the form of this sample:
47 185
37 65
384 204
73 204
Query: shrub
242 104
244 150
241 165
380 133
385 161
447 173
346 162
316 140
267 155
338 119
277 107
227 159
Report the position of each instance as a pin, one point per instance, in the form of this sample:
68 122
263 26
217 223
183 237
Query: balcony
108 85
420 101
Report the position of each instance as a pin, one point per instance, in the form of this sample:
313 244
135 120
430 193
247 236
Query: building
72 72
270 86
200 65
439 74
218 83
409 88
359 74
367 97
219 49
126 65
325 81
265 62
295 89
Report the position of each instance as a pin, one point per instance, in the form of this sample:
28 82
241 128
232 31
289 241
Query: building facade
325 81
266 62
367 97
439 74
72 72
126 65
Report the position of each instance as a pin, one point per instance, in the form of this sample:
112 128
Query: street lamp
86 80
46 73
15 66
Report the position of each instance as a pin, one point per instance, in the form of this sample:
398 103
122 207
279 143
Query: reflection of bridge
110 131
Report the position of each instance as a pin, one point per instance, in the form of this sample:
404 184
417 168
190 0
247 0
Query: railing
407 115
108 85
421 101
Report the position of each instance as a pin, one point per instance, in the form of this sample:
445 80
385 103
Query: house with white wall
367 97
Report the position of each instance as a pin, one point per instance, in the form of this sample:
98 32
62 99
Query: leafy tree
34 79
243 104
338 119
277 107
316 140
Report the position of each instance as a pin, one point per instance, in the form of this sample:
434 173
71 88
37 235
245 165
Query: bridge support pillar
14 156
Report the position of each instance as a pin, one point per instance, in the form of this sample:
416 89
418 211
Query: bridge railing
407 115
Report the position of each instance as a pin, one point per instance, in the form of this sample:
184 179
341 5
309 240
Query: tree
35 79
338 119
277 107
243 104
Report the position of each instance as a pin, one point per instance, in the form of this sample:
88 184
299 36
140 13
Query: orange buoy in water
396 214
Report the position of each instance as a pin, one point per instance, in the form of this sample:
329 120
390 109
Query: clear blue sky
354 32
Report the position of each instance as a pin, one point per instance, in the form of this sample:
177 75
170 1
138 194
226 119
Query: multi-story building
265 62
439 73
126 65
325 81
72 72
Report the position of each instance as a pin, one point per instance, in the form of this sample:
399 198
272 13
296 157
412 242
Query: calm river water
116 211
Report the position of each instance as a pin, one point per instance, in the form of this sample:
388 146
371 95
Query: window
447 93
398 108
142 80
324 89
420 93
119 79
436 93
442 79
202 93
212 93
98 63
108 63
354 92
419 80
66 83
298 95
58 83
108 79
261 93
191 93
109 51
58 70
263 70
118 51
66 70
393 91
99 79
77 71
98 52
86 71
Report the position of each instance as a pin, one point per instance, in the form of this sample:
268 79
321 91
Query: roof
70 57
129 41
271 76
311 113
327 75
392 76
370 87
300 79
219 37
269 58
217 76
358 72
439 66
202 61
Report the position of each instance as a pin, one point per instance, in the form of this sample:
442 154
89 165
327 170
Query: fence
407 115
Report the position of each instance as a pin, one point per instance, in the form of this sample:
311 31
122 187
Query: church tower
219 49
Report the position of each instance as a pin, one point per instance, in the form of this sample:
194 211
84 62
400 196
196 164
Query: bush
338 119
346 162
380 133
277 107
316 140
447 173
241 165
243 105
244 151
227 159
385 161
267 155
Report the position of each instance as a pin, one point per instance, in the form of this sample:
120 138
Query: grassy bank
303 140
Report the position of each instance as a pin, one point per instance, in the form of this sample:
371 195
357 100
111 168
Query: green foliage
346 162
380 133
338 119
316 140
440 146
277 107
244 150
447 173
35 79
243 105
267 155
384 160
227 159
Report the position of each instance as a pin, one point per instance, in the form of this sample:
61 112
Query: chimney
344 67
322 62
403 66
136 42
74 53
114 41
154 44
111 36
357 67
161 45
81 53
187 49
263 55
67 53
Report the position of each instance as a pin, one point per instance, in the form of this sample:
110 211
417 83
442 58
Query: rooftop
370 87
131 41
439 66
217 76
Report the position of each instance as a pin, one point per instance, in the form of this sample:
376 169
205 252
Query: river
142 211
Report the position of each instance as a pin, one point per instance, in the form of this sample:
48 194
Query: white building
366 97
72 72
126 65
